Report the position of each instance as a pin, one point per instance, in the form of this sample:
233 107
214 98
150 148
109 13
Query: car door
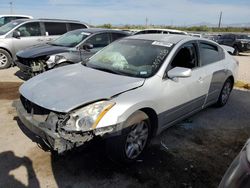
98 41
212 60
181 97
54 29
30 34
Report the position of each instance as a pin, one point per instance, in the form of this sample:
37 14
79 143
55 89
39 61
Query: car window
99 40
55 28
116 36
30 29
210 53
1 21
70 39
185 57
74 26
137 58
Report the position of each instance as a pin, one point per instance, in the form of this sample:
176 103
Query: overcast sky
166 12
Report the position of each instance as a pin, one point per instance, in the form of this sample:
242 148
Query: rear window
116 36
74 26
54 28
210 53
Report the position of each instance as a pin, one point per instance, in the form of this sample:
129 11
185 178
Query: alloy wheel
226 92
136 140
3 60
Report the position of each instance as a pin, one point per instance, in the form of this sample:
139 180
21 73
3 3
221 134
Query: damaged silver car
127 93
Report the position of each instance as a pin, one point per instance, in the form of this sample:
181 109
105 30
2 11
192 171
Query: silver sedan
127 93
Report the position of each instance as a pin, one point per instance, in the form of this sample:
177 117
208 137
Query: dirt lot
195 153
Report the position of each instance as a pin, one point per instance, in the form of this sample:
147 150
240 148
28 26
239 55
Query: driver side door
183 96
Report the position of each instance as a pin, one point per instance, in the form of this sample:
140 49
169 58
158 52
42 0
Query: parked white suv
22 33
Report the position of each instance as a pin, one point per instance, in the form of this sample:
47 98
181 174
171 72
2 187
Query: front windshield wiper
105 69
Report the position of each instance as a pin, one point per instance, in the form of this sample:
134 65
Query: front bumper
24 68
50 137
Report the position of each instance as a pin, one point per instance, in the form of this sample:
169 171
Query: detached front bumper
50 137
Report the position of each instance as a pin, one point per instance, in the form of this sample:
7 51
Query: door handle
50 39
39 40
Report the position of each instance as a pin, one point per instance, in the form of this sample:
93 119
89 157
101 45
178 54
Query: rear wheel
236 51
131 144
5 59
225 93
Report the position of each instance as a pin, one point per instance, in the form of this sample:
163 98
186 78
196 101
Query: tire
225 93
5 59
131 144
236 51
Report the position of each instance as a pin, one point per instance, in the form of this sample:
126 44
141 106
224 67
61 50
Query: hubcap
3 60
226 92
136 140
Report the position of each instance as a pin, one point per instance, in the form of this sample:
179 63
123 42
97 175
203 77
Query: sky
116 12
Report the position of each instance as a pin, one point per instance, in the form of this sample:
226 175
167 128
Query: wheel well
153 118
231 78
7 51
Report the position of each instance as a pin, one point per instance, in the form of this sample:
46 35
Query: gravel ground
194 153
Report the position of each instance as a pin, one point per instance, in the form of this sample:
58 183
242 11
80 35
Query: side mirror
179 72
16 34
87 47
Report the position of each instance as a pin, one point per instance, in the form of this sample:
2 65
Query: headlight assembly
87 118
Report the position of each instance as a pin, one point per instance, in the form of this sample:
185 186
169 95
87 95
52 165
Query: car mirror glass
87 47
16 34
179 72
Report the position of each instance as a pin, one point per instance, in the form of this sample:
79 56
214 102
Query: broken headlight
87 118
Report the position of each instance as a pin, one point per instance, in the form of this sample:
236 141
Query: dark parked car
72 47
238 174
240 42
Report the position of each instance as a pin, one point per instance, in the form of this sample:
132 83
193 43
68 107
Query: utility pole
11 7
146 22
220 19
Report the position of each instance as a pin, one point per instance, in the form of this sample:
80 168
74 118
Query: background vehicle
162 31
239 42
237 175
72 47
4 19
128 92
22 33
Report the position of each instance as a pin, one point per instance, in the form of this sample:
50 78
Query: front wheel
225 93
131 144
5 59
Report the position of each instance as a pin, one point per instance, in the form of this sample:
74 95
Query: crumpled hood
41 50
66 88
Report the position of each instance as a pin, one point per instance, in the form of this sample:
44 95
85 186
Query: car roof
172 38
14 15
97 30
168 30
50 20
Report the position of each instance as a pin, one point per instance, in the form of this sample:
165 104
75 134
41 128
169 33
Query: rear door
212 60
54 29
31 34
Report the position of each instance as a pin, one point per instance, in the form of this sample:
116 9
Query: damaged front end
32 67
60 131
